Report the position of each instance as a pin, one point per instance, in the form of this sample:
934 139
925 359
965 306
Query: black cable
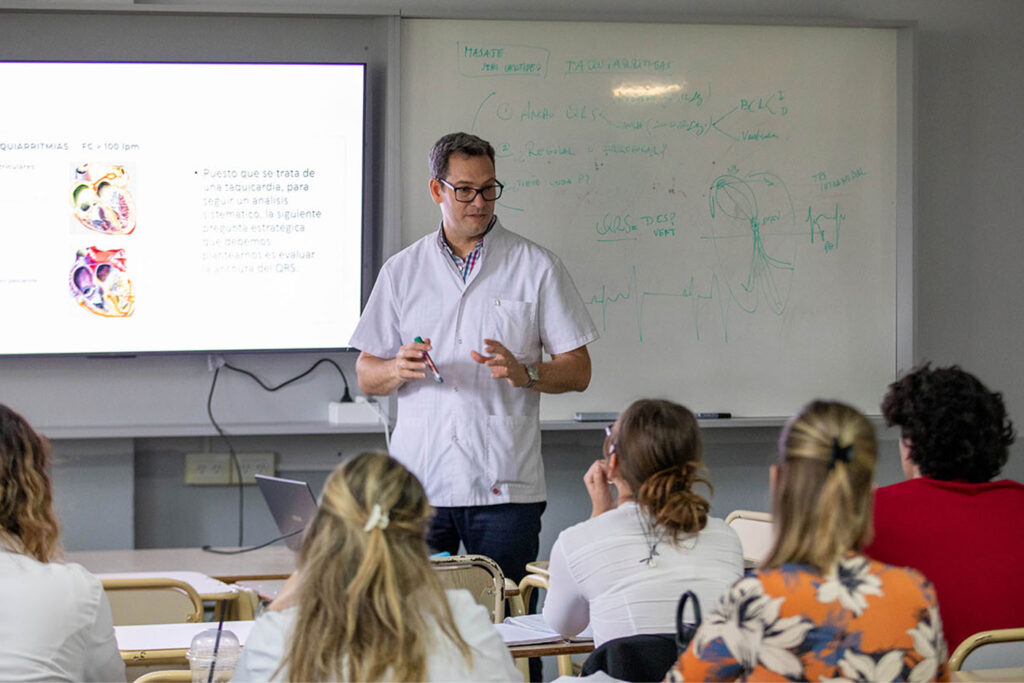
346 397
239 551
231 451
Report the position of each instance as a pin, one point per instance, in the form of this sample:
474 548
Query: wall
968 284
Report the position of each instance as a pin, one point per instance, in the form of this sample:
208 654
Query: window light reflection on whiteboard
646 90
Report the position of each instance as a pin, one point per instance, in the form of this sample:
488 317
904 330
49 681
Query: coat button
495 490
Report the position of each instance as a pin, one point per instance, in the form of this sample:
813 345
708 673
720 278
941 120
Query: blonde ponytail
822 503
370 606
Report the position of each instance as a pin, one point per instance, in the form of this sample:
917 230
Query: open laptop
292 504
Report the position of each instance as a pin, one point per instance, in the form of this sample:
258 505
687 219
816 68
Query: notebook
292 504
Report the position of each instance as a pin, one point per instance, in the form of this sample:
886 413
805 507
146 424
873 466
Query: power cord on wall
216 363
384 420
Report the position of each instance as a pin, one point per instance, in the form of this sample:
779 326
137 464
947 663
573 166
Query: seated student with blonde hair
624 569
365 603
818 609
55 623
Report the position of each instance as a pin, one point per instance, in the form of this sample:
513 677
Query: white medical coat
473 440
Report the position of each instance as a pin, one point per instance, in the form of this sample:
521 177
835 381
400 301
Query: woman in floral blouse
818 609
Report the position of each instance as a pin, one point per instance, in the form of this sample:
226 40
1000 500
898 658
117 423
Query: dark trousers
508 533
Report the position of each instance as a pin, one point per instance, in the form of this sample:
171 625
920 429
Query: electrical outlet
211 469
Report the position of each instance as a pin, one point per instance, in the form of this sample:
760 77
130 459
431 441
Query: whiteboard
725 197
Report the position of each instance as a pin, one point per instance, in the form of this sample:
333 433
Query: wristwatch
531 372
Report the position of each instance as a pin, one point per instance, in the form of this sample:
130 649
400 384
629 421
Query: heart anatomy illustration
102 200
99 282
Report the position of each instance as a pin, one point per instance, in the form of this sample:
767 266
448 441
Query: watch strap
533 374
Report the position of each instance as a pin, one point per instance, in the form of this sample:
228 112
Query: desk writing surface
725 197
270 562
149 637
206 586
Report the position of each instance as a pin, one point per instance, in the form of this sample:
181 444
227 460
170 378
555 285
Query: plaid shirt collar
466 265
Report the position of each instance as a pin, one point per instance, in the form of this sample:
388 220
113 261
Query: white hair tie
378 518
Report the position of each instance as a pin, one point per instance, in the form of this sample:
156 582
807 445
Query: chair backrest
478 574
152 600
645 657
755 532
1008 651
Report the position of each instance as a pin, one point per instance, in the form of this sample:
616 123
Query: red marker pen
430 362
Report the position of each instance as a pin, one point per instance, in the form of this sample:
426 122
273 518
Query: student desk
555 649
266 589
166 644
272 562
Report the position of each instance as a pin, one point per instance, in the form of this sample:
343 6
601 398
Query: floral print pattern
863 621
850 584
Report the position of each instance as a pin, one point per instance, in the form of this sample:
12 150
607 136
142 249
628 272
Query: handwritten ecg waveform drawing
725 197
751 221
755 235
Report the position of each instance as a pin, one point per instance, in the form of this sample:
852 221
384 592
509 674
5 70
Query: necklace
652 537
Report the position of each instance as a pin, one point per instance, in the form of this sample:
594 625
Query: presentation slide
154 207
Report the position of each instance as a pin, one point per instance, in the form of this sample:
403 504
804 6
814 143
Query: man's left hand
502 362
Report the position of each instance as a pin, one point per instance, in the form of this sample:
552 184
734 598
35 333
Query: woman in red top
818 609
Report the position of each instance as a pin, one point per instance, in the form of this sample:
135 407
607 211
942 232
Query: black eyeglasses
468 194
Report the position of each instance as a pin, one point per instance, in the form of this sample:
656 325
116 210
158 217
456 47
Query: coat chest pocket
514 324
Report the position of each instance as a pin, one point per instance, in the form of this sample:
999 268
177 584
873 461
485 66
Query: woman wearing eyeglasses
624 569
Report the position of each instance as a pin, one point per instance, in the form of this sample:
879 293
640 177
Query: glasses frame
476 191
608 435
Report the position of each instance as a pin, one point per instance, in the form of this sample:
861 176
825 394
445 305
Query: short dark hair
457 143
958 429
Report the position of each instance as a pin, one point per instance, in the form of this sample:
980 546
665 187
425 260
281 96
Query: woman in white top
624 569
365 603
55 622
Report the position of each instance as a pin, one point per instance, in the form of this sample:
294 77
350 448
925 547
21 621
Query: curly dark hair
958 429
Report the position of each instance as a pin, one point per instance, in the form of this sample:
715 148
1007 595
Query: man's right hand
381 376
409 363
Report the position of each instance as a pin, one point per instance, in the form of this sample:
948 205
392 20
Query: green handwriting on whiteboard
732 123
633 296
833 183
617 226
829 240
616 65
476 60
